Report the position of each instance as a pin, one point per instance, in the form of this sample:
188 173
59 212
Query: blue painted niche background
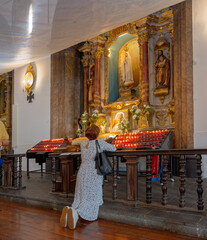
114 65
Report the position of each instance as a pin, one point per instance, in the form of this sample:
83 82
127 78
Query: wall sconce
29 80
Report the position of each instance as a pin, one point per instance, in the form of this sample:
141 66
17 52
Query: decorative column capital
98 44
98 53
143 36
85 61
85 49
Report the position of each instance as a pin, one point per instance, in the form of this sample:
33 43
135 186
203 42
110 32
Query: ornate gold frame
114 113
30 71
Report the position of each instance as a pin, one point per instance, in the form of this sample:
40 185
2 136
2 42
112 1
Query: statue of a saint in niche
127 70
162 71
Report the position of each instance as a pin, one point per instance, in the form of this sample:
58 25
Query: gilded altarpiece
152 83
6 101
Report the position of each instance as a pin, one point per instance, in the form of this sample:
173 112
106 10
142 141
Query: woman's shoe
72 218
64 217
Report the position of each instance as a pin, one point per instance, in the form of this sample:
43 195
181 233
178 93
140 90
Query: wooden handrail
158 152
126 154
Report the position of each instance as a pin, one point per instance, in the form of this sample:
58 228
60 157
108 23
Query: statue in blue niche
127 70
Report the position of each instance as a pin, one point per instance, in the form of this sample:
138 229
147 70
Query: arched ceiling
31 29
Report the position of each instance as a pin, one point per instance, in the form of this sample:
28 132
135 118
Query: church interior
134 68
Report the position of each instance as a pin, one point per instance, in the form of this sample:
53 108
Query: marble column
143 41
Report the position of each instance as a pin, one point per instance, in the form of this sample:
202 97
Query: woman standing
88 192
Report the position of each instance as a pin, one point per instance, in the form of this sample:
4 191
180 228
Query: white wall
200 76
31 121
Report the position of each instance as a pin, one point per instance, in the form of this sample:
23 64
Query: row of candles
136 145
48 145
140 139
58 140
140 135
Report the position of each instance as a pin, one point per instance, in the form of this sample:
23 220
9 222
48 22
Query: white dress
88 191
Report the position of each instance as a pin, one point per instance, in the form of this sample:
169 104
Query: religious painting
116 119
129 65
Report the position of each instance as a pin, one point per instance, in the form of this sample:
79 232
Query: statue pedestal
127 95
161 92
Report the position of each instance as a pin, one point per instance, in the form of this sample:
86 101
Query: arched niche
115 58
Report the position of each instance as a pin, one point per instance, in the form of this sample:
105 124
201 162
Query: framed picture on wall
116 118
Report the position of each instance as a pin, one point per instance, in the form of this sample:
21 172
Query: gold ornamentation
116 119
5 100
98 53
162 68
161 92
171 32
85 61
161 117
29 79
143 36
115 33
171 111
121 105
162 43
143 123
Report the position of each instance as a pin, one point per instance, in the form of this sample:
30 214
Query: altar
128 77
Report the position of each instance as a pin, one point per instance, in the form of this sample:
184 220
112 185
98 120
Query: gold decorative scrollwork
98 53
143 123
85 61
171 111
115 33
161 117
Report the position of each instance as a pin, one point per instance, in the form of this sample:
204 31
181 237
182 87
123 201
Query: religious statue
162 71
127 70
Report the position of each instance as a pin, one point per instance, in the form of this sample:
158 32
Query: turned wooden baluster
199 182
114 177
53 174
15 172
148 179
20 171
182 163
164 180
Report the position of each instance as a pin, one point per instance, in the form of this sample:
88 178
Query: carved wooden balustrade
11 171
131 158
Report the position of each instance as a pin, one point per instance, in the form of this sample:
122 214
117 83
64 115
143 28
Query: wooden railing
131 157
11 171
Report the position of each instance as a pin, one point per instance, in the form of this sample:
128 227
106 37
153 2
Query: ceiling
31 29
